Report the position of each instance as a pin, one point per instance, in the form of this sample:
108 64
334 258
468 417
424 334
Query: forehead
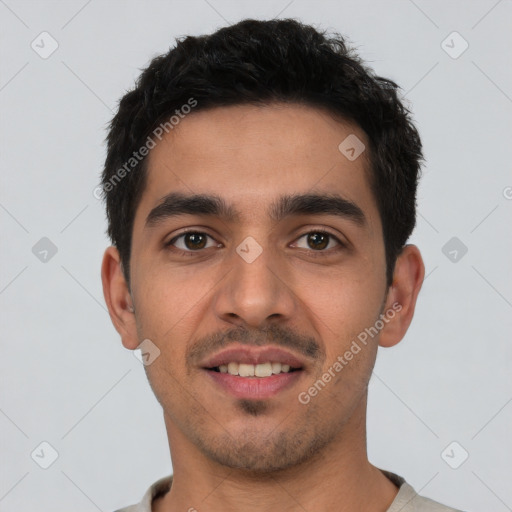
251 155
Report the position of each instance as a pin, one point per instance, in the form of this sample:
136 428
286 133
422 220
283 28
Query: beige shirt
407 500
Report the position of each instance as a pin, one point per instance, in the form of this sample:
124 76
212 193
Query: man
260 186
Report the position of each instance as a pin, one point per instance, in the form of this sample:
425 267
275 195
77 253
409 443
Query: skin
276 454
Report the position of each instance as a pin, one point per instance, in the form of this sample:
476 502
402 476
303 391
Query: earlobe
118 298
402 295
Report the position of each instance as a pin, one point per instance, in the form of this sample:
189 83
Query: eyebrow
176 204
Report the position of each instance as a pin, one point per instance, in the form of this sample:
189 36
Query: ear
402 294
118 298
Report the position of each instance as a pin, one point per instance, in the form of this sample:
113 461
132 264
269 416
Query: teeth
263 370
252 370
246 370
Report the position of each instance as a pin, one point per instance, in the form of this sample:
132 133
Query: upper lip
252 355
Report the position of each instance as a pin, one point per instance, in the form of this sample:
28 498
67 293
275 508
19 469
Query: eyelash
315 254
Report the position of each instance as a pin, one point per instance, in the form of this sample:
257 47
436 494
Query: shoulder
413 502
157 489
408 500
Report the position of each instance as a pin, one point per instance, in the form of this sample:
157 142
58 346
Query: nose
255 292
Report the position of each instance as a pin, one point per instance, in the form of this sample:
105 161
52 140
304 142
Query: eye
319 240
191 241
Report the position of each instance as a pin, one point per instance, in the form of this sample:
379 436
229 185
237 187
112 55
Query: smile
254 370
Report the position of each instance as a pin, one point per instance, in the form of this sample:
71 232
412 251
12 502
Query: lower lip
256 388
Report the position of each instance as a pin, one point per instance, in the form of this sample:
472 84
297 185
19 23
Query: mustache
273 334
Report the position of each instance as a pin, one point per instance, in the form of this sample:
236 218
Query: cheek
346 300
170 298
342 304
172 303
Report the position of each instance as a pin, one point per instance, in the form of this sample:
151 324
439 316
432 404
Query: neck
340 478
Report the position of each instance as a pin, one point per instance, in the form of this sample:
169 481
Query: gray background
65 377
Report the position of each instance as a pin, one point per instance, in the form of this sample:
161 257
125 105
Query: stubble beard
262 453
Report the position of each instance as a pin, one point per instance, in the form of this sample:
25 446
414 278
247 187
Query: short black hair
259 63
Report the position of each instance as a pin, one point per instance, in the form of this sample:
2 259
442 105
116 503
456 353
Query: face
252 274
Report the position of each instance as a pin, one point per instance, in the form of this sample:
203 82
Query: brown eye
191 241
194 241
319 240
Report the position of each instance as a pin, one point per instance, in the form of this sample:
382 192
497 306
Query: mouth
254 373
261 370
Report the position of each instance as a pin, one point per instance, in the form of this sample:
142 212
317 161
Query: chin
261 453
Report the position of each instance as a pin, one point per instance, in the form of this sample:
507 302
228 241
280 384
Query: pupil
195 239
317 243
